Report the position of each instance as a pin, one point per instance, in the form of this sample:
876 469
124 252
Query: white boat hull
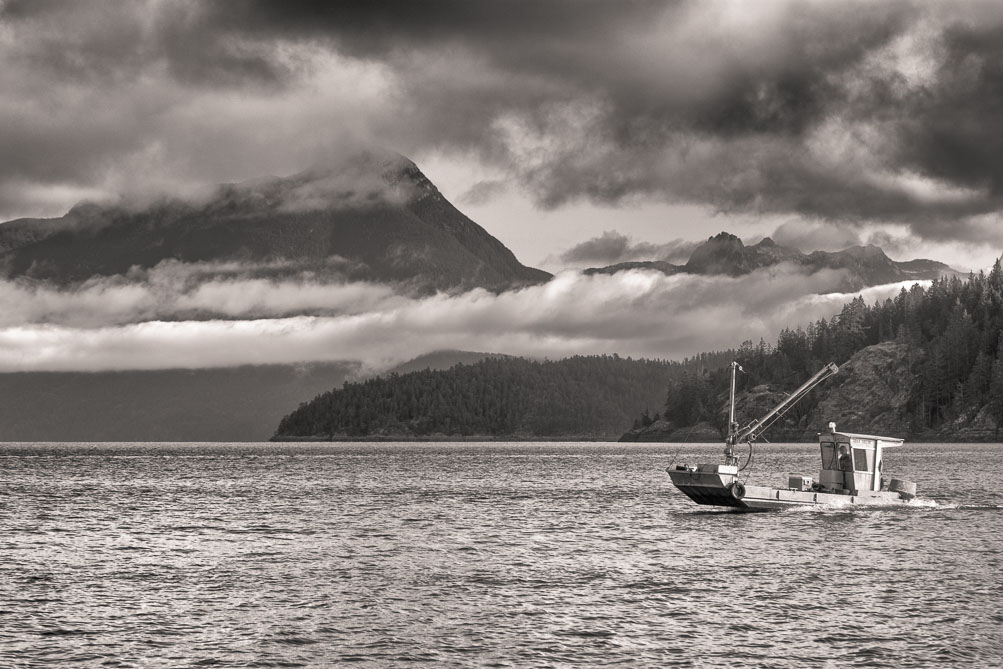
711 488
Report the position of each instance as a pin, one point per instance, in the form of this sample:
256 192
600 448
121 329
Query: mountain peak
358 180
723 253
725 238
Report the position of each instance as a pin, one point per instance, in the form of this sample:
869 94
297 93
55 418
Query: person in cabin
846 466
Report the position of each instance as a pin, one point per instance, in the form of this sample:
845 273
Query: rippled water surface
503 555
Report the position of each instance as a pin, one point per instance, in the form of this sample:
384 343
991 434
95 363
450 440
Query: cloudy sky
623 128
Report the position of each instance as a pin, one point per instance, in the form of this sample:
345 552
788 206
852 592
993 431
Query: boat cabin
852 462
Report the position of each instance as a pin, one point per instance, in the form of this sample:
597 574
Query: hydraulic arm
757 426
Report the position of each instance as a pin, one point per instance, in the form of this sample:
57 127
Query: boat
851 472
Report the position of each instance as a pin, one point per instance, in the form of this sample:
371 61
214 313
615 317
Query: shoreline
925 439
436 438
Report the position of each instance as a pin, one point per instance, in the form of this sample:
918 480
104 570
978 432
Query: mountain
374 217
727 254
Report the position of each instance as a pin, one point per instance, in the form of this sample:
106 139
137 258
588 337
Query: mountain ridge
726 254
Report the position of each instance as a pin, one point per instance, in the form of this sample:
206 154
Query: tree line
592 396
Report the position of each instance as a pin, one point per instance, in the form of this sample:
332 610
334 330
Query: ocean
485 555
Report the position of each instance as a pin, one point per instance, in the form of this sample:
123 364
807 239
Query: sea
485 555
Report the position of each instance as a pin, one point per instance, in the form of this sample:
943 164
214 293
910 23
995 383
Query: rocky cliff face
870 393
982 426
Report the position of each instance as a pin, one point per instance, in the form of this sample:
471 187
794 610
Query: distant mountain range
726 254
375 218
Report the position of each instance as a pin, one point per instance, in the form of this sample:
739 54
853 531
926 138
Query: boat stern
709 484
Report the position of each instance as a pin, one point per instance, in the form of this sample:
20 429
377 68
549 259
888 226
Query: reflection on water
484 555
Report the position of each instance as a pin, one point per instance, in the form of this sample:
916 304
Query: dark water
504 555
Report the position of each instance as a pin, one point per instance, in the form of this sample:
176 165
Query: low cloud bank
613 247
188 291
638 313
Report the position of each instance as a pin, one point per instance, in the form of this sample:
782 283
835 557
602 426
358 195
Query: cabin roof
889 442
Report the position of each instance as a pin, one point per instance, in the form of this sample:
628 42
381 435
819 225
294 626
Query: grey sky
576 131
851 113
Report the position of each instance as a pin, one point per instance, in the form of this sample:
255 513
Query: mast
729 447
731 401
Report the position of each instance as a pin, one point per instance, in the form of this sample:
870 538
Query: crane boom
756 426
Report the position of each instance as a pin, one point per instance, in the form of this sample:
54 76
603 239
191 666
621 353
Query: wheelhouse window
829 456
863 460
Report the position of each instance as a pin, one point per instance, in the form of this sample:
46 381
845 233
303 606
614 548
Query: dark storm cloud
852 112
608 248
93 40
953 129
381 26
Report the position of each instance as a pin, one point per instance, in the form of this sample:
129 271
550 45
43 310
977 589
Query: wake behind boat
851 471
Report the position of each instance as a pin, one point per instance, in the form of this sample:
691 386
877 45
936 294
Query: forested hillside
951 336
583 396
